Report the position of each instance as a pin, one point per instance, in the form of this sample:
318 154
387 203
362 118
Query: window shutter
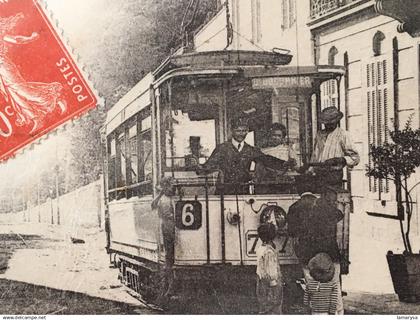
386 114
373 79
385 70
374 125
378 105
370 129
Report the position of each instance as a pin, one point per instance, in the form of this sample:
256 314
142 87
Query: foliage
85 151
139 35
126 40
397 160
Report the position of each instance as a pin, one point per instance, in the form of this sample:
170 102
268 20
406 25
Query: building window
379 115
329 94
377 43
329 88
331 55
289 13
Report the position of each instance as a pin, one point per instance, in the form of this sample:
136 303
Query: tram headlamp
275 215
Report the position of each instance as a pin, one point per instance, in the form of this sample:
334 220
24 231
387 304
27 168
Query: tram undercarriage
231 287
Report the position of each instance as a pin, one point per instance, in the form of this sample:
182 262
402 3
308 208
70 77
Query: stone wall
80 209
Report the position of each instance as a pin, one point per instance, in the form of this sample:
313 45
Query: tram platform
378 304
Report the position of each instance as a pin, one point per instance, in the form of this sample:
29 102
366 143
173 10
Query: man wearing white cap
333 149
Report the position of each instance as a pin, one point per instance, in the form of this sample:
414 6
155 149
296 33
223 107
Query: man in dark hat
236 159
333 149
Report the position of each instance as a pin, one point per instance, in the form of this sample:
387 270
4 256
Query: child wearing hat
321 293
269 279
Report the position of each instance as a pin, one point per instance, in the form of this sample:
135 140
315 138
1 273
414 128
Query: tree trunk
408 210
400 209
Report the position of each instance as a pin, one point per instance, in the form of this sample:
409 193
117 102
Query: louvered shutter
378 110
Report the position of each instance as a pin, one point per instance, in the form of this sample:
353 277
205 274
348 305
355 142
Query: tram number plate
253 242
188 215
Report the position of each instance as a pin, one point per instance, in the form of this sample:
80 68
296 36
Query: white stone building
380 91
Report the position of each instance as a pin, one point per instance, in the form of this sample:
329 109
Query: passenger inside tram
235 160
198 117
276 145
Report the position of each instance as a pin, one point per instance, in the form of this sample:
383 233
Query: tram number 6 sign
188 215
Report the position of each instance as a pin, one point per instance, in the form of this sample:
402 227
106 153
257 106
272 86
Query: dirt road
43 272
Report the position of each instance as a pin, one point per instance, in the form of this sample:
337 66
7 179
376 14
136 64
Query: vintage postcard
185 157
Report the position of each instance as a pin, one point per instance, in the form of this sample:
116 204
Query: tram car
182 111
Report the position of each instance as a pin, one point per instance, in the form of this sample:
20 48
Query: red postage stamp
40 84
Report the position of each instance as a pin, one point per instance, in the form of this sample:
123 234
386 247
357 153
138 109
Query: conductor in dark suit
234 161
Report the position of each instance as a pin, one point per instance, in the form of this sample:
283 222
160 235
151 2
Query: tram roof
132 102
320 72
248 64
223 58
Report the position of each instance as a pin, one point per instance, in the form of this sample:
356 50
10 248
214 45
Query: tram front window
190 139
197 118
278 126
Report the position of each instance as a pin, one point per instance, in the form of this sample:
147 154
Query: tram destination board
40 85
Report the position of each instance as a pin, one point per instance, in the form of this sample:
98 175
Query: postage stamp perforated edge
77 62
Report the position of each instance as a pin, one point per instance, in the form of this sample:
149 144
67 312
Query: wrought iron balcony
320 8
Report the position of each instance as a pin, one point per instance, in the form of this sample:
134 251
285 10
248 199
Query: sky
82 22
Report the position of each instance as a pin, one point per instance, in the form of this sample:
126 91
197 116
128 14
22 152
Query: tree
139 35
397 161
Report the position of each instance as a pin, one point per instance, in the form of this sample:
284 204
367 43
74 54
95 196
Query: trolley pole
57 194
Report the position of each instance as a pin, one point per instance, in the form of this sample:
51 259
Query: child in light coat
269 278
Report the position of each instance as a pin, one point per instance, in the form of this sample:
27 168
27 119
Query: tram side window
133 158
122 164
140 156
145 150
112 152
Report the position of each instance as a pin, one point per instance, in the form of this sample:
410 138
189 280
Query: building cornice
405 11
